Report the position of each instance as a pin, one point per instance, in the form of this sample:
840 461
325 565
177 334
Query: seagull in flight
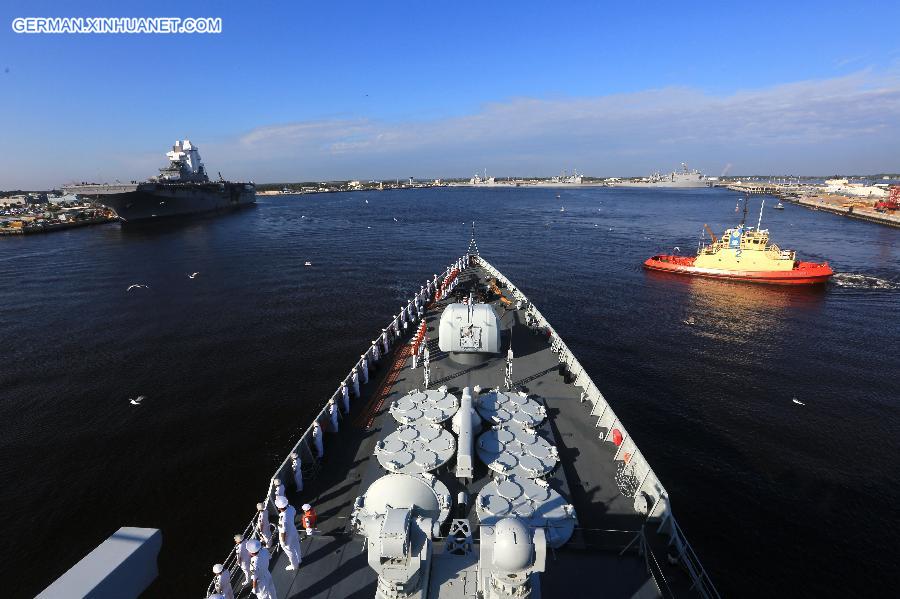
136 401
798 402
193 275
137 286
307 263
367 201
395 220
677 249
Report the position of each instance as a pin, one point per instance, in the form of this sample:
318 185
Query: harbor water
778 498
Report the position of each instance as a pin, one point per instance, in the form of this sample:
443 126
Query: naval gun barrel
465 444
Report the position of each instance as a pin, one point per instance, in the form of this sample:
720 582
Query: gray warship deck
615 552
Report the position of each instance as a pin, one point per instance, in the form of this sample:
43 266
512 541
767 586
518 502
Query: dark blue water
778 499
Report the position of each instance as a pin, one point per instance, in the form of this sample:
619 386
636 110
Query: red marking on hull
367 418
803 273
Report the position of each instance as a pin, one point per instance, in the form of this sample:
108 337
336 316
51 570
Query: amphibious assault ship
467 453
181 188
682 178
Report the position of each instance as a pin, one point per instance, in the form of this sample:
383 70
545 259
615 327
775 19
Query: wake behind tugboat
454 456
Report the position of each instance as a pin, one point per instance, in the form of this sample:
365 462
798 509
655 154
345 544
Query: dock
809 197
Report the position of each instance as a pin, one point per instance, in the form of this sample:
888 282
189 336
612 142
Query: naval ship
467 453
682 178
181 188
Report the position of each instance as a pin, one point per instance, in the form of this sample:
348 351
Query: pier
811 197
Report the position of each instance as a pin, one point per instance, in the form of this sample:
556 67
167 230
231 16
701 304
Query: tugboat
744 254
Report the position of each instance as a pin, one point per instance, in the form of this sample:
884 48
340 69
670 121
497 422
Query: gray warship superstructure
682 178
468 454
181 188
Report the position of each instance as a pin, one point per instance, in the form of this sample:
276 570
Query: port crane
893 201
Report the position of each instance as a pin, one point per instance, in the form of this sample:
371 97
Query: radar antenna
473 247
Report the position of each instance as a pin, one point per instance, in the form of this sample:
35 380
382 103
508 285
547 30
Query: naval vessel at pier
683 178
181 188
467 453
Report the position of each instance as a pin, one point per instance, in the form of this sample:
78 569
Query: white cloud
848 124
621 133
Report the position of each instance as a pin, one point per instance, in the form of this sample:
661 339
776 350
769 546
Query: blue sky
383 89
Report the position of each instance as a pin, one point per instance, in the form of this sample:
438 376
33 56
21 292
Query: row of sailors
451 276
360 373
253 556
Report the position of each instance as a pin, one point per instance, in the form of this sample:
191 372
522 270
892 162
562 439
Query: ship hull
662 184
803 273
151 201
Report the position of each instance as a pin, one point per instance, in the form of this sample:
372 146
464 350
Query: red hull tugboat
744 254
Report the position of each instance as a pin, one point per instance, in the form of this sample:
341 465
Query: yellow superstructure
743 248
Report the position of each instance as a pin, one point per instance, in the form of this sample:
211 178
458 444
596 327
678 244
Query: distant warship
181 188
682 178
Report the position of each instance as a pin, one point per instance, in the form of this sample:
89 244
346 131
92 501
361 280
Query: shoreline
56 226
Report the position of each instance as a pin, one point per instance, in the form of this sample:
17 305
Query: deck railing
637 477
400 326
634 464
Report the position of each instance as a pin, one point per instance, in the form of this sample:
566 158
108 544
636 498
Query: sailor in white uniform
345 397
297 467
262 524
263 586
223 581
287 532
364 368
333 426
317 439
277 487
242 557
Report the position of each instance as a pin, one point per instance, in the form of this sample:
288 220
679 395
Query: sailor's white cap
281 502
238 538
217 569
276 481
253 546
260 507
306 507
294 455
